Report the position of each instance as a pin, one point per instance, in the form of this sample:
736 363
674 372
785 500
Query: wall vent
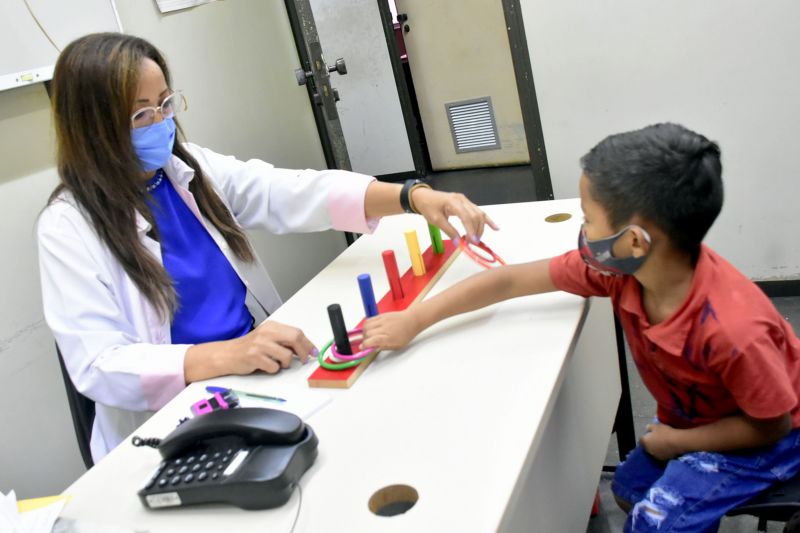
472 125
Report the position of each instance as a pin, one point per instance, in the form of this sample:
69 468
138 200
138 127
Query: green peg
436 239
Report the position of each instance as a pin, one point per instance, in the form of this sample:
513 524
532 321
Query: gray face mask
598 254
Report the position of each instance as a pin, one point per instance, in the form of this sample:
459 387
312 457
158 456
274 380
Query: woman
149 282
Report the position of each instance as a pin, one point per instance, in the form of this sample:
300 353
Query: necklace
156 182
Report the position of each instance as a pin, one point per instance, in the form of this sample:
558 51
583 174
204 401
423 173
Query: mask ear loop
645 234
493 261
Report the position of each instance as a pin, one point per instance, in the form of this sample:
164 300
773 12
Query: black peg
339 330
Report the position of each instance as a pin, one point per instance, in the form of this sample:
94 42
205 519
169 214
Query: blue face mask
153 144
599 255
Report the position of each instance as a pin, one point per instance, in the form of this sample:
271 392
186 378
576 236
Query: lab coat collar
180 174
142 225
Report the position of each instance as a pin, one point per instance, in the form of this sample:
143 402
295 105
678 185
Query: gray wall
726 68
234 61
38 453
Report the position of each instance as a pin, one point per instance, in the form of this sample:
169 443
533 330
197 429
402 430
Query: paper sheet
165 6
301 401
29 516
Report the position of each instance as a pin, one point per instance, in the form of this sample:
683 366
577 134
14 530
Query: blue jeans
691 493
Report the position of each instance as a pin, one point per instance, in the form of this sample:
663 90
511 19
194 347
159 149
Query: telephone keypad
194 468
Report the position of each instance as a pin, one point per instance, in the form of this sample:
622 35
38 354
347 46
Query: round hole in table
558 217
393 500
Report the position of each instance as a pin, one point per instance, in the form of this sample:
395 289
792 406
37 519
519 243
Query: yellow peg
413 251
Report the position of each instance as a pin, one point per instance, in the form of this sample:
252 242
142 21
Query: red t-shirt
725 351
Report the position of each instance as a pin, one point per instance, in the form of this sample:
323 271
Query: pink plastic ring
355 333
466 247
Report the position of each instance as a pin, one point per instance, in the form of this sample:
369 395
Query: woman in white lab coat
148 280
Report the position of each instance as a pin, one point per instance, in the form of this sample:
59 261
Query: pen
211 388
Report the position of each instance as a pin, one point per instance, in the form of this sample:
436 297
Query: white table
500 419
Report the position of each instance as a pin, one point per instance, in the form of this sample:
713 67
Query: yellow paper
23 506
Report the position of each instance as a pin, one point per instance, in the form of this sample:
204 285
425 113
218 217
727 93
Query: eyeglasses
171 106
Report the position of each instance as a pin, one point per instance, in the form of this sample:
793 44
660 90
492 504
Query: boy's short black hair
665 173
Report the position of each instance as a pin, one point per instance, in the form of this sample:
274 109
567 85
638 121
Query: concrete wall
725 68
38 451
234 61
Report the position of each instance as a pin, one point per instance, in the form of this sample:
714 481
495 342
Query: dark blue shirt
210 294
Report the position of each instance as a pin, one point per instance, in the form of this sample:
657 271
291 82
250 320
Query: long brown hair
94 89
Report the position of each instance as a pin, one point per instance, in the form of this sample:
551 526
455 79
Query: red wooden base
414 288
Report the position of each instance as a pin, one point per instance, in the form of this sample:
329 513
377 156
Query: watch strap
405 194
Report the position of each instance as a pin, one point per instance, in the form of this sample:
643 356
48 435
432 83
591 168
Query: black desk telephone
248 457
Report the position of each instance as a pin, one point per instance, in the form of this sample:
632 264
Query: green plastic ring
336 366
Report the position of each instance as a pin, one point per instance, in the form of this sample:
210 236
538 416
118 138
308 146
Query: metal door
368 122
463 73
314 73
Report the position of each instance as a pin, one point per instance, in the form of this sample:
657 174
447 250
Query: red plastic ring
467 248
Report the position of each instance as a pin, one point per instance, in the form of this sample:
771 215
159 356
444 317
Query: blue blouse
210 294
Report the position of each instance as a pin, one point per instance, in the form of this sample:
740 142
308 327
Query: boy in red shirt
721 362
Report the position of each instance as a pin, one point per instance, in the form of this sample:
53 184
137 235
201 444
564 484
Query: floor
488 186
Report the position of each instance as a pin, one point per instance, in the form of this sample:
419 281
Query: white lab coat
116 348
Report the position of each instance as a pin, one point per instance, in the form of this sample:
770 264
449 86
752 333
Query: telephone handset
253 425
249 457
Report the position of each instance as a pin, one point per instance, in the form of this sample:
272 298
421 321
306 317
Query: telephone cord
139 441
299 505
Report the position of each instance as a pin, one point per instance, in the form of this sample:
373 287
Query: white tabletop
454 415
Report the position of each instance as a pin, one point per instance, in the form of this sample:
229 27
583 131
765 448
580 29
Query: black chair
82 409
780 503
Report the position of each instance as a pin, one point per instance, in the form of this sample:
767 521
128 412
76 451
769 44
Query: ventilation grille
472 125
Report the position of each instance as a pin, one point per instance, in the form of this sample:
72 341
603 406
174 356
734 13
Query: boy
721 362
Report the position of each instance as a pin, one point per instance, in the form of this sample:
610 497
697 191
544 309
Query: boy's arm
728 434
395 330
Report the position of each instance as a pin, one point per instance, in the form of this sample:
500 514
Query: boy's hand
390 331
660 441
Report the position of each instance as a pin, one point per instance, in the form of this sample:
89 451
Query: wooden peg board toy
413 288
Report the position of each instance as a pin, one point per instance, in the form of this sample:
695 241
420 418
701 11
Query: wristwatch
405 194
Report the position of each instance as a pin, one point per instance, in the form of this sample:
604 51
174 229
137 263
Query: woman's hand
269 347
390 331
437 206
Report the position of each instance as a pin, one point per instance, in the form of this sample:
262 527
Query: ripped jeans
694 491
